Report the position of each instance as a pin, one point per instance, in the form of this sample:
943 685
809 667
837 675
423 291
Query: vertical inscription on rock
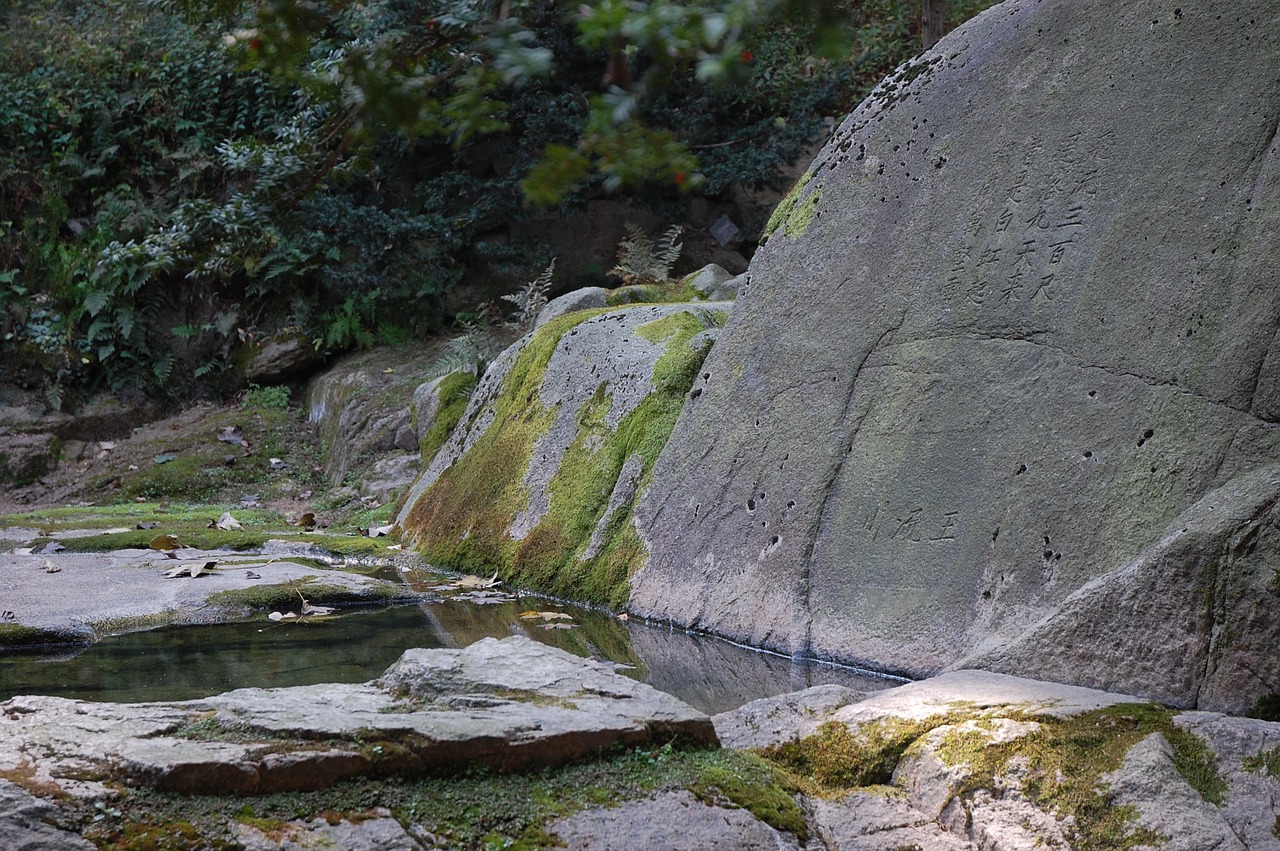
1020 235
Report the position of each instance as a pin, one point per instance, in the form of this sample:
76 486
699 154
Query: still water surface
179 663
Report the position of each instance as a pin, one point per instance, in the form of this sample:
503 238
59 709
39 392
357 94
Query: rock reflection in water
188 662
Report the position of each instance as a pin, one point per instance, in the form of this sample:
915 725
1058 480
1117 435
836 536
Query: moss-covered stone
1063 761
455 393
465 519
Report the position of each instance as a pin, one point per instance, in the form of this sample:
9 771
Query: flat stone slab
978 690
505 704
79 597
676 821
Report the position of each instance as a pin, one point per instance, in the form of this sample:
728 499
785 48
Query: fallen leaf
232 434
165 542
277 616
50 567
226 523
147 524
193 569
623 617
308 609
164 459
476 582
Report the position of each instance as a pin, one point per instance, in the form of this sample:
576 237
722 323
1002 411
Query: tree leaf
476 582
226 523
165 542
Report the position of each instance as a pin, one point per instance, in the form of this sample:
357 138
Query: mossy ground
1064 762
462 521
474 810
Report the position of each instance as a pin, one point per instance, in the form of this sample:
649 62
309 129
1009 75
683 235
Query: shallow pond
354 645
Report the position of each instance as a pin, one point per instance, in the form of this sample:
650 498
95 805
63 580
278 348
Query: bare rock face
1002 388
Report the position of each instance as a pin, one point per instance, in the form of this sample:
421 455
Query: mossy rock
531 482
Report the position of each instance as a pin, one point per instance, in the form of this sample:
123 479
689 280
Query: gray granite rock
28 823
1166 802
583 299
276 360
372 834
676 821
876 821
1002 340
773 720
505 704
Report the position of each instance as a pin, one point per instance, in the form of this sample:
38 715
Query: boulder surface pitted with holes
1003 387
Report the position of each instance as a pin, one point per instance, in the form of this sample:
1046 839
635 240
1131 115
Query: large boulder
1002 386
539 478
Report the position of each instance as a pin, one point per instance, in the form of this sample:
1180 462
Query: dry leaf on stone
545 616
165 542
226 523
277 616
193 569
50 567
232 434
476 582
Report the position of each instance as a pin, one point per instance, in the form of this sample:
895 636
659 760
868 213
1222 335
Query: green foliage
274 398
181 179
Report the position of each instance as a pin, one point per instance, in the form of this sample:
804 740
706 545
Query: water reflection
179 663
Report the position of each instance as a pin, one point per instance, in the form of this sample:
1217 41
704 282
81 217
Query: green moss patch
1063 762
455 395
479 809
795 212
463 520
